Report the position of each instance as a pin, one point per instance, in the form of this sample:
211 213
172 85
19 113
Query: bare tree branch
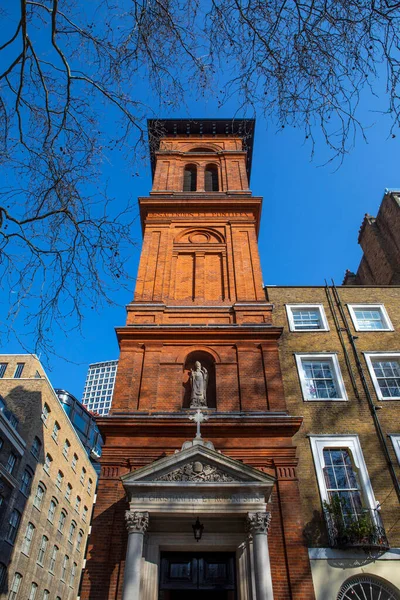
71 94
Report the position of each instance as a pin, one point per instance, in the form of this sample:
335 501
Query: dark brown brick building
380 240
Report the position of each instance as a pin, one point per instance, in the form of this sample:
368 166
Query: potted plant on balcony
347 529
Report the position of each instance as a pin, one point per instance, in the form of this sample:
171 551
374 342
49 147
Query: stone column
136 524
257 526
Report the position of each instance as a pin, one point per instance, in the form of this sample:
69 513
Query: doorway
197 576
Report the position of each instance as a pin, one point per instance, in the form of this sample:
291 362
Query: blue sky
311 217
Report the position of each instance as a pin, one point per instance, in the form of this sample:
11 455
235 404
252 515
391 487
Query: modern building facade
199 313
84 423
99 386
47 487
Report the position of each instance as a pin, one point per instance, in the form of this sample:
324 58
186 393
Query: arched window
71 533
190 178
79 540
40 493
36 446
13 524
14 589
45 412
42 550
27 541
53 559
61 522
52 510
59 480
211 178
26 481
32 593
367 586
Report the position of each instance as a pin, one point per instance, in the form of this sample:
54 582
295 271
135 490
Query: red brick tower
199 297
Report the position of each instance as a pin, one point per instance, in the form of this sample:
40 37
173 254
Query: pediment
197 465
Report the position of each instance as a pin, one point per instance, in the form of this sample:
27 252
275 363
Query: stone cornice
220 425
198 333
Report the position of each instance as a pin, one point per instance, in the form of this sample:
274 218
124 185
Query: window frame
27 540
51 515
59 479
11 462
41 486
56 431
290 318
36 443
46 410
62 519
25 488
369 356
18 370
64 567
42 550
33 590
385 317
15 586
336 371
53 559
47 464
352 443
68 492
14 528
395 439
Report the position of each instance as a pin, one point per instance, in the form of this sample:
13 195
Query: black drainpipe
371 404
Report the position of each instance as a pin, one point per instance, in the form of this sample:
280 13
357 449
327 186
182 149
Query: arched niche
202 149
208 361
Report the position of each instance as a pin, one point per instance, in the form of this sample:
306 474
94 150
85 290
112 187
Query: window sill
325 400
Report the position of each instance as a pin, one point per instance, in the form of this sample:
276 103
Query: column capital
258 522
136 522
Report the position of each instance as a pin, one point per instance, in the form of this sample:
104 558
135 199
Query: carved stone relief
258 522
196 471
136 522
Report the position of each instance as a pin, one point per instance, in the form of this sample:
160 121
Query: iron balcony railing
364 530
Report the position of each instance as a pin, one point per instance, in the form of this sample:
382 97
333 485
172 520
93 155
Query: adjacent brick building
351 335
380 240
47 487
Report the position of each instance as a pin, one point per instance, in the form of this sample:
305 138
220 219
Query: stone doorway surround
197 481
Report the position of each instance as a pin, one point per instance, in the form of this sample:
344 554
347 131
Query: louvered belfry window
190 178
211 179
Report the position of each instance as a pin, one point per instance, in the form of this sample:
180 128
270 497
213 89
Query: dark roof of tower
159 128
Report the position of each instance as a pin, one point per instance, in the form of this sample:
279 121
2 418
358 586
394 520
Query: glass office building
99 386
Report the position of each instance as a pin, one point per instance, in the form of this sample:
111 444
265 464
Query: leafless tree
76 80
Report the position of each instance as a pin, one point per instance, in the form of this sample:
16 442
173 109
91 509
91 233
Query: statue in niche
198 383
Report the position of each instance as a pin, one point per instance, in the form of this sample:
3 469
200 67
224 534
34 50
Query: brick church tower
198 336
